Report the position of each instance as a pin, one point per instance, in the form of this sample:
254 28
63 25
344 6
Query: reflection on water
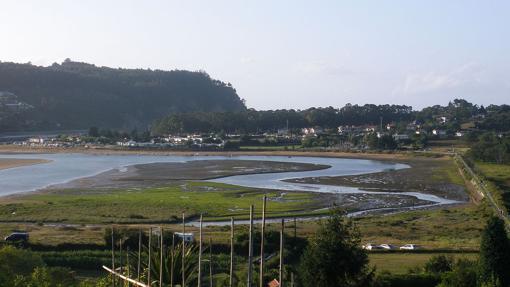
67 167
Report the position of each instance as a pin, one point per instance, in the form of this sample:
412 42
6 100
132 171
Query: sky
279 53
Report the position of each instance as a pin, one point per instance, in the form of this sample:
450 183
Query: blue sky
283 54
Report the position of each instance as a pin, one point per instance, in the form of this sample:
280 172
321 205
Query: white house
36 140
186 237
439 132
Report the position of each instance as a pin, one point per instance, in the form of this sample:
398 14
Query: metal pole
261 271
295 229
113 256
120 255
250 248
139 254
281 252
231 283
161 251
149 264
172 261
292 279
210 263
127 263
183 250
200 253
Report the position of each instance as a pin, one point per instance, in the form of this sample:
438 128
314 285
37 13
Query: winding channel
64 167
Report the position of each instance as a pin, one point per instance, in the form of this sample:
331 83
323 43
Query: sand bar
17 162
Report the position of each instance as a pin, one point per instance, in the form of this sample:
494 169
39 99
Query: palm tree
169 268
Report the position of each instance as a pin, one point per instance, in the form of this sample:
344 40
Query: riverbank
114 150
6 163
437 176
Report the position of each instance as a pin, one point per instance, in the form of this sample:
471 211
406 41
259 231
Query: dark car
17 237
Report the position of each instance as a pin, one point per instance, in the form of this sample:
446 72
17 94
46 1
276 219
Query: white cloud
471 81
467 75
321 67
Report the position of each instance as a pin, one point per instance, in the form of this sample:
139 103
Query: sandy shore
17 162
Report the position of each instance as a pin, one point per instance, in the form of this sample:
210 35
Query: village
345 137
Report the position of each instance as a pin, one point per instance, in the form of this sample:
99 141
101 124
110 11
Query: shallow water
66 167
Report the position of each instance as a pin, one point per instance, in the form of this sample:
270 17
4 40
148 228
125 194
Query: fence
122 275
481 187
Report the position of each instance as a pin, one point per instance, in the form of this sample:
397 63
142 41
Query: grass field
499 175
452 228
164 204
400 263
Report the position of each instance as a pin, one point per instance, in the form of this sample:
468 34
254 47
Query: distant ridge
75 95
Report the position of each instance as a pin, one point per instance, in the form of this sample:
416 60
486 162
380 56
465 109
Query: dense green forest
75 95
253 121
459 111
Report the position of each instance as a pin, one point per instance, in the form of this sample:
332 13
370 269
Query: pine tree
334 257
495 253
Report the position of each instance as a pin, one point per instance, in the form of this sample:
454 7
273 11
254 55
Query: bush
17 262
463 274
439 264
406 280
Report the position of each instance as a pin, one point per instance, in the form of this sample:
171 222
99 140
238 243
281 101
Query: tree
463 274
495 253
93 132
17 262
439 264
334 256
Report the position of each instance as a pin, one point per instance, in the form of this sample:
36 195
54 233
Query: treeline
76 95
272 120
491 147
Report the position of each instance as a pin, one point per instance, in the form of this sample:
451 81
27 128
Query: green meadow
162 204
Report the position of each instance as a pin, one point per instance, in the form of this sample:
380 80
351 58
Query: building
439 133
186 237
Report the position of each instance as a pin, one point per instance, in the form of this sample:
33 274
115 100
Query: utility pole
113 256
250 248
139 254
149 264
200 254
172 258
127 262
161 251
261 271
120 255
281 252
231 282
210 263
183 250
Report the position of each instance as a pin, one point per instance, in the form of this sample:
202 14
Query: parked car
409 247
371 246
17 237
387 246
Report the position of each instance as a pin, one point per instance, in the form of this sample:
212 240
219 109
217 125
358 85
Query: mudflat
17 162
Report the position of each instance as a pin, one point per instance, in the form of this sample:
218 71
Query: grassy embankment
498 177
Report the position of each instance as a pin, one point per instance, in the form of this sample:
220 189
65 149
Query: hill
75 95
